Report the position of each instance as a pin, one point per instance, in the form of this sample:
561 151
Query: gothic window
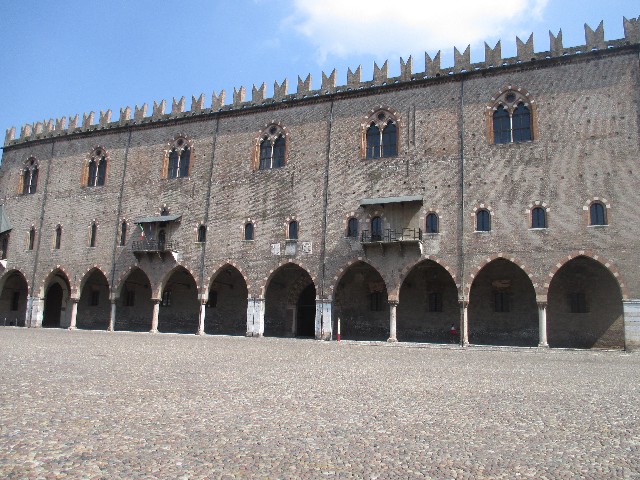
597 214
93 235
29 177
352 228
510 117
58 238
483 221
272 148
96 169
538 218
177 162
432 223
376 229
293 230
248 231
32 238
381 135
123 234
202 234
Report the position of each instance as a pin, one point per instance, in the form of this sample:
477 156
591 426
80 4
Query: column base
543 345
200 332
71 328
392 340
153 331
110 329
253 334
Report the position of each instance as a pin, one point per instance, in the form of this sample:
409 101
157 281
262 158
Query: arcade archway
135 307
56 299
226 307
94 307
13 299
179 305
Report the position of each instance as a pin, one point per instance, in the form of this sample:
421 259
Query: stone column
203 312
393 304
37 311
323 320
631 311
154 316
464 323
112 316
255 317
542 324
74 313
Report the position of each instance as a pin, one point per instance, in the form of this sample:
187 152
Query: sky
61 58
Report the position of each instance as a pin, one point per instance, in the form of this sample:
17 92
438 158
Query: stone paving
124 405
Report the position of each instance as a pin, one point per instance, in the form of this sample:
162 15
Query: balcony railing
153 246
391 235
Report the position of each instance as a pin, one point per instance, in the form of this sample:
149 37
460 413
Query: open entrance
283 299
584 308
13 300
306 312
226 308
179 305
135 307
502 306
362 305
53 306
428 305
94 307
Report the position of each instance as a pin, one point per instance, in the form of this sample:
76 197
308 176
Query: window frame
535 218
293 230
178 158
201 233
594 214
511 117
28 181
249 227
428 226
271 149
483 212
376 141
353 228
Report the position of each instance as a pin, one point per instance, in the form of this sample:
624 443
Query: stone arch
14 290
408 268
117 287
584 305
161 285
77 289
341 271
226 298
93 294
179 301
282 293
513 259
265 282
502 307
220 268
56 293
365 316
428 303
133 295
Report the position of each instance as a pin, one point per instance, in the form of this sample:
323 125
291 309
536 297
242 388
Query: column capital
393 302
156 301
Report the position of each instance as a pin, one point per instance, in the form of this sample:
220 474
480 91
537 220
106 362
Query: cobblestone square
125 405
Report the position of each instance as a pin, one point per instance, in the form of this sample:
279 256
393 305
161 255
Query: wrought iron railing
391 235
153 246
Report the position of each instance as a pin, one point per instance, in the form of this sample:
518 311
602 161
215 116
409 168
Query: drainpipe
464 337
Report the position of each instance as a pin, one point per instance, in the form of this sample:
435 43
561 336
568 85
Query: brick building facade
499 197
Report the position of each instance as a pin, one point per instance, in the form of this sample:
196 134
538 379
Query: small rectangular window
166 298
95 298
129 298
501 302
15 301
377 302
435 302
578 302
212 302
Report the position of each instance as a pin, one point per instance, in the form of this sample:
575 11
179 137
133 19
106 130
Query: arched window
202 234
248 231
293 230
97 168
178 161
29 177
432 223
511 117
32 238
123 234
376 229
352 228
58 238
381 135
538 218
483 221
597 214
273 148
93 237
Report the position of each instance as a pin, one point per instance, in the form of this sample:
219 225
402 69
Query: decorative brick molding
168 275
341 271
474 273
607 210
77 289
50 275
221 267
5 276
589 254
262 288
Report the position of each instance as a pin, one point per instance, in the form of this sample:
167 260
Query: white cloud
386 27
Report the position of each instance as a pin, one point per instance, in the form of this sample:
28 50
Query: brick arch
47 278
158 289
116 289
474 273
341 271
598 258
78 289
8 273
298 287
207 285
262 288
402 275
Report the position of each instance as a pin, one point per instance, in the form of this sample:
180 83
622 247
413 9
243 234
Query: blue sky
74 56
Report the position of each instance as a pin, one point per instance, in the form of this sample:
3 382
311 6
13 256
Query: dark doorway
306 317
52 306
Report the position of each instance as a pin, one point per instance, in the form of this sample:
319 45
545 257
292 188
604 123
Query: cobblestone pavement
123 405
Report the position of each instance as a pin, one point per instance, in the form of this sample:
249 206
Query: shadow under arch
94 307
287 301
14 290
134 306
502 306
226 307
361 303
428 304
179 304
584 306
57 292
